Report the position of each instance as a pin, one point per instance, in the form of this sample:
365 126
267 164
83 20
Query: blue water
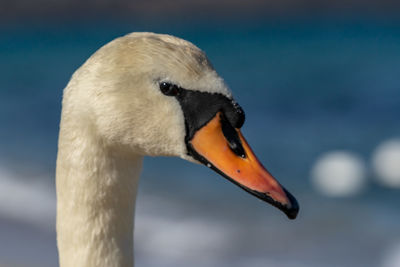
307 87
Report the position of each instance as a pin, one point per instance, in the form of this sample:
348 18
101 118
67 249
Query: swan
143 94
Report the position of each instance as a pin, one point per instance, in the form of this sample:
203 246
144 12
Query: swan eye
169 89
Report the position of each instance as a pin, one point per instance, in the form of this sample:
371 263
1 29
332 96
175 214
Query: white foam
386 163
392 256
29 201
169 240
338 174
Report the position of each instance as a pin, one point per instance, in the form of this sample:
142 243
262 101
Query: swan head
159 95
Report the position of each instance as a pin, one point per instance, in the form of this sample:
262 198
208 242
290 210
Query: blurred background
319 82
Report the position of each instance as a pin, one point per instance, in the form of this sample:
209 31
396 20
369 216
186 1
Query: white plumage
114 114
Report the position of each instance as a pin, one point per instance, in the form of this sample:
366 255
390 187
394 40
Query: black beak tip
292 210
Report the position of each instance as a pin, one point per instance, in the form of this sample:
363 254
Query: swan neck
96 192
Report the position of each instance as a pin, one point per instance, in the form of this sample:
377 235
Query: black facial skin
198 109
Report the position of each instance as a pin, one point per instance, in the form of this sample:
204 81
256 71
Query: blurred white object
386 163
338 174
392 256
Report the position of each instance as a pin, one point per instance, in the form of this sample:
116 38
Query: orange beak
223 148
